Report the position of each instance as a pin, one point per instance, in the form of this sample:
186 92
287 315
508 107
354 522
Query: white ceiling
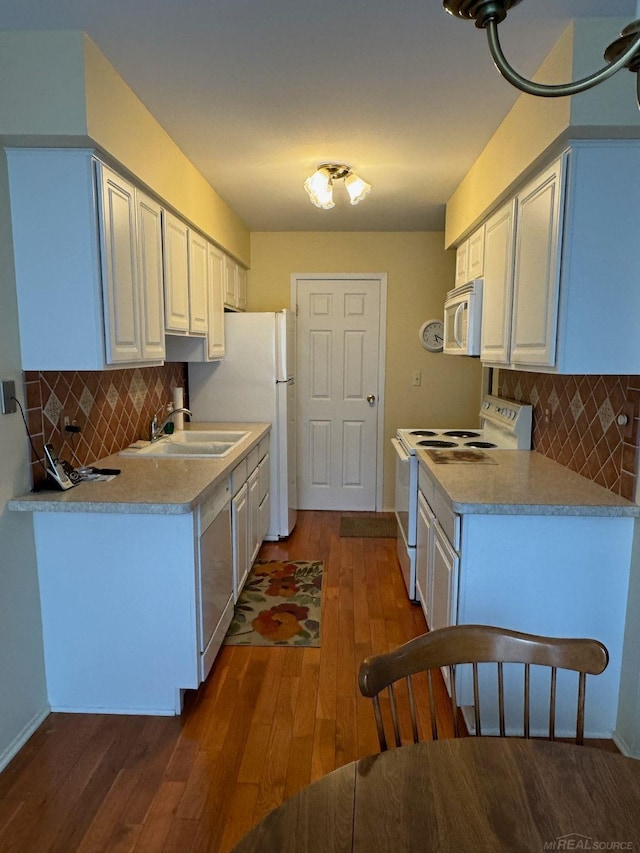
257 92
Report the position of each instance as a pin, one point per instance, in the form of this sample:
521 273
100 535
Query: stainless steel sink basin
190 444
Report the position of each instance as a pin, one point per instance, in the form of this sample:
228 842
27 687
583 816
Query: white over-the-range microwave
462 319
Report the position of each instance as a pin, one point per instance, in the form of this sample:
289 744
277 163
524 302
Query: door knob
371 398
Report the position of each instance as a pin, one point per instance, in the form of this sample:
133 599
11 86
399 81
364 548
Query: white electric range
505 425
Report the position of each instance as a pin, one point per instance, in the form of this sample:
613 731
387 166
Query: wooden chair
475 644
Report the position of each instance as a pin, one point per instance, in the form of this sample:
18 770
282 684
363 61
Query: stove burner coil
436 443
484 444
422 432
462 433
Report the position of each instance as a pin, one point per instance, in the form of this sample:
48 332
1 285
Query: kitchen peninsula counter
151 485
521 482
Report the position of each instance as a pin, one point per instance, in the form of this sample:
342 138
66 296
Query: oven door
406 495
406 506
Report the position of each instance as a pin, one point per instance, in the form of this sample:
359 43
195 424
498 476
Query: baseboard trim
16 745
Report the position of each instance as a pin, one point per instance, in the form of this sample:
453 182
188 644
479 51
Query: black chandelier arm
543 90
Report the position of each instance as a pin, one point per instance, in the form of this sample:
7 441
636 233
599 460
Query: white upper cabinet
470 258
571 304
119 259
77 255
198 283
498 285
216 346
235 285
539 209
150 277
176 273
186 276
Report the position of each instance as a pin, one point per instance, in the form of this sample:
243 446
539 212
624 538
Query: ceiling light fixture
320 184
624 51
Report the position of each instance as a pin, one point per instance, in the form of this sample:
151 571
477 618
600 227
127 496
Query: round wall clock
432 335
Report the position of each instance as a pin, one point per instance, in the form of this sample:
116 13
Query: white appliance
255 381
462 319
505 425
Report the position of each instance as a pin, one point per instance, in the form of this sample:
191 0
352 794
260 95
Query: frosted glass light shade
320 189
357 188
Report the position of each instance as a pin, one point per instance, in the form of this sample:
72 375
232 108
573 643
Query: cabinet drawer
425 484
263 447
252 459
238 476
448 519
210 508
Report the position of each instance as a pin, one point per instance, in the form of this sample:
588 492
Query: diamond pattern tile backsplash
575 423
112 409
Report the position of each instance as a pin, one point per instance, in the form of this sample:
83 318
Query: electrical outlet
7 394
68 417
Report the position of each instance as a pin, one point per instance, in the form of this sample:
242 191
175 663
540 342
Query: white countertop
522 482
151 485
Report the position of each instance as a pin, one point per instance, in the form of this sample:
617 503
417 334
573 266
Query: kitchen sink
190 444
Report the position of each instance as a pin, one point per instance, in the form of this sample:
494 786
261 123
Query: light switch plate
7 395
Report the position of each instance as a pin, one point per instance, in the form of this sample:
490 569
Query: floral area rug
279 605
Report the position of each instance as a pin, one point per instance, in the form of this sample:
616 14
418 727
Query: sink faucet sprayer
155 431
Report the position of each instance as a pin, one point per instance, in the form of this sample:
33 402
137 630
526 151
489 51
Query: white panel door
338 384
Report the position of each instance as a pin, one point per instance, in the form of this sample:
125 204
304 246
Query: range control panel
508 415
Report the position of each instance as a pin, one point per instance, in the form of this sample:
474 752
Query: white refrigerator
255 381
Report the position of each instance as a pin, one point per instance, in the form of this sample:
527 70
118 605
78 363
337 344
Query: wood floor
266 722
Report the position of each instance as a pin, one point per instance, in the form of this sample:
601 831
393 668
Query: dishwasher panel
215 578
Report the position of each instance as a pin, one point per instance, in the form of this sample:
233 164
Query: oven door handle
399 449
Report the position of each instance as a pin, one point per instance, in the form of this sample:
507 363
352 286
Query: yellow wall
419 273
58 89
535 126
121 125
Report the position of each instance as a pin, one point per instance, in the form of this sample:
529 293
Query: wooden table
469 794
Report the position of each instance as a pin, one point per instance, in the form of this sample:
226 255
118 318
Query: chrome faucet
155 431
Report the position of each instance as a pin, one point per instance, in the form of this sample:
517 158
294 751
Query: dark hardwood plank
267 722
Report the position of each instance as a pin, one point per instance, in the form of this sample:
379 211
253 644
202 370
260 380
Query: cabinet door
537 269
444 584
475 259
498 285
462 263
119 254
253 485
198 283
176 273
424 554
240 526
230 282
151 281
242 288
216 303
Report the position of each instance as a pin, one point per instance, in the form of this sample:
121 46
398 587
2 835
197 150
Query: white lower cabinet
240 527
136 611
249 511
437 564
556 575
